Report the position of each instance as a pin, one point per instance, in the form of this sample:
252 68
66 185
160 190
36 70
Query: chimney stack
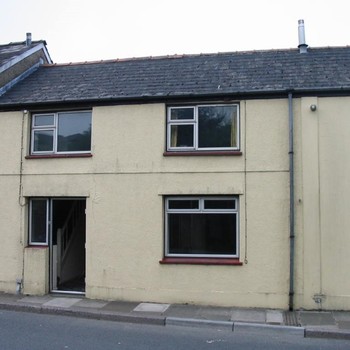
29 39
301 31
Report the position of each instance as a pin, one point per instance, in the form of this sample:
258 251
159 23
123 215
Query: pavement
317 324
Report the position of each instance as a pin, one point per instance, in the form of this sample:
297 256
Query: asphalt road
26 331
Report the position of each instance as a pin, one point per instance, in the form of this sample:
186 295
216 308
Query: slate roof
234 74
12 50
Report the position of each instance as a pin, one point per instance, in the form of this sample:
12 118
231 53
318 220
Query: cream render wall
124 183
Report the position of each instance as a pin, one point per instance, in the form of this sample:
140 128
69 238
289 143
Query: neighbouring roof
204 75
12 52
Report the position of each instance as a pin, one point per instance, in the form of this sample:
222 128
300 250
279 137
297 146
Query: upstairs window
63 132
203 127
201 227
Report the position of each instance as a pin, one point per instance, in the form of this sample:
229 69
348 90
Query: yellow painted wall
125 181
36 272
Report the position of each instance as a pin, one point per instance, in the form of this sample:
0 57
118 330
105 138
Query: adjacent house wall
11 213
324 198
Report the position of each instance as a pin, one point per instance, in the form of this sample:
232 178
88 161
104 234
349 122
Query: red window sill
202 153
201 261
45 156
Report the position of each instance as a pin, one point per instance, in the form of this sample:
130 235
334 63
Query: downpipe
291 202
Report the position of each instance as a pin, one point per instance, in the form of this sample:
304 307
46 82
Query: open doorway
67 245
60 224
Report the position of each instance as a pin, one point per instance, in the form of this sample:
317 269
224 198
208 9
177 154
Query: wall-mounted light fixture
313 108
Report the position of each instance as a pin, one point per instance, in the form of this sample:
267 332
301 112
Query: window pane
182 113
74 132
44 120
38 221
43 141
183 204
209 234
181 135
217 126
219 204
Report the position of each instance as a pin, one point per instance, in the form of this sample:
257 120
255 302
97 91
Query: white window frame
201 209
195 124
31 242
54 128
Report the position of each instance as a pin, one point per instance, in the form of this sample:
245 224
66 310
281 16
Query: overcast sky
85 30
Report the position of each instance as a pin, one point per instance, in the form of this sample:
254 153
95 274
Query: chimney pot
29 39
301 31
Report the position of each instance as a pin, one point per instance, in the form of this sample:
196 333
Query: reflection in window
201 226
65 132
203 127
38 221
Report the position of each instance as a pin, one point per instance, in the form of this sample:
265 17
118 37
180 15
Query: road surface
27 331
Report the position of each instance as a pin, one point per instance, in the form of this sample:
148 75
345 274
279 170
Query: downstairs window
201 227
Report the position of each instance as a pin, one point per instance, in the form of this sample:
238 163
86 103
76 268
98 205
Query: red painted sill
201 261
48 156
201 153
31 246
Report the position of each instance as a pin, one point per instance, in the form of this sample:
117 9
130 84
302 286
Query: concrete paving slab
151 307
62 302
313 318
341 315
35 299
5 297
249 315
274 317
120 306
92 304
181 310
215 313
264 329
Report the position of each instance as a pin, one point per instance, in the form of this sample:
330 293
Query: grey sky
84 30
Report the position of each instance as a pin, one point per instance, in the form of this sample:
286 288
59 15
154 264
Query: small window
203 127
201 227
64 132
38 222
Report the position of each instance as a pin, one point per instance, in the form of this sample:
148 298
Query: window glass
182 135
38 221
205 234
74 132
183 204
217 126
219 204
44 120
43 140
182 113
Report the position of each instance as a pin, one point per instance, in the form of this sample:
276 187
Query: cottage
218 179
